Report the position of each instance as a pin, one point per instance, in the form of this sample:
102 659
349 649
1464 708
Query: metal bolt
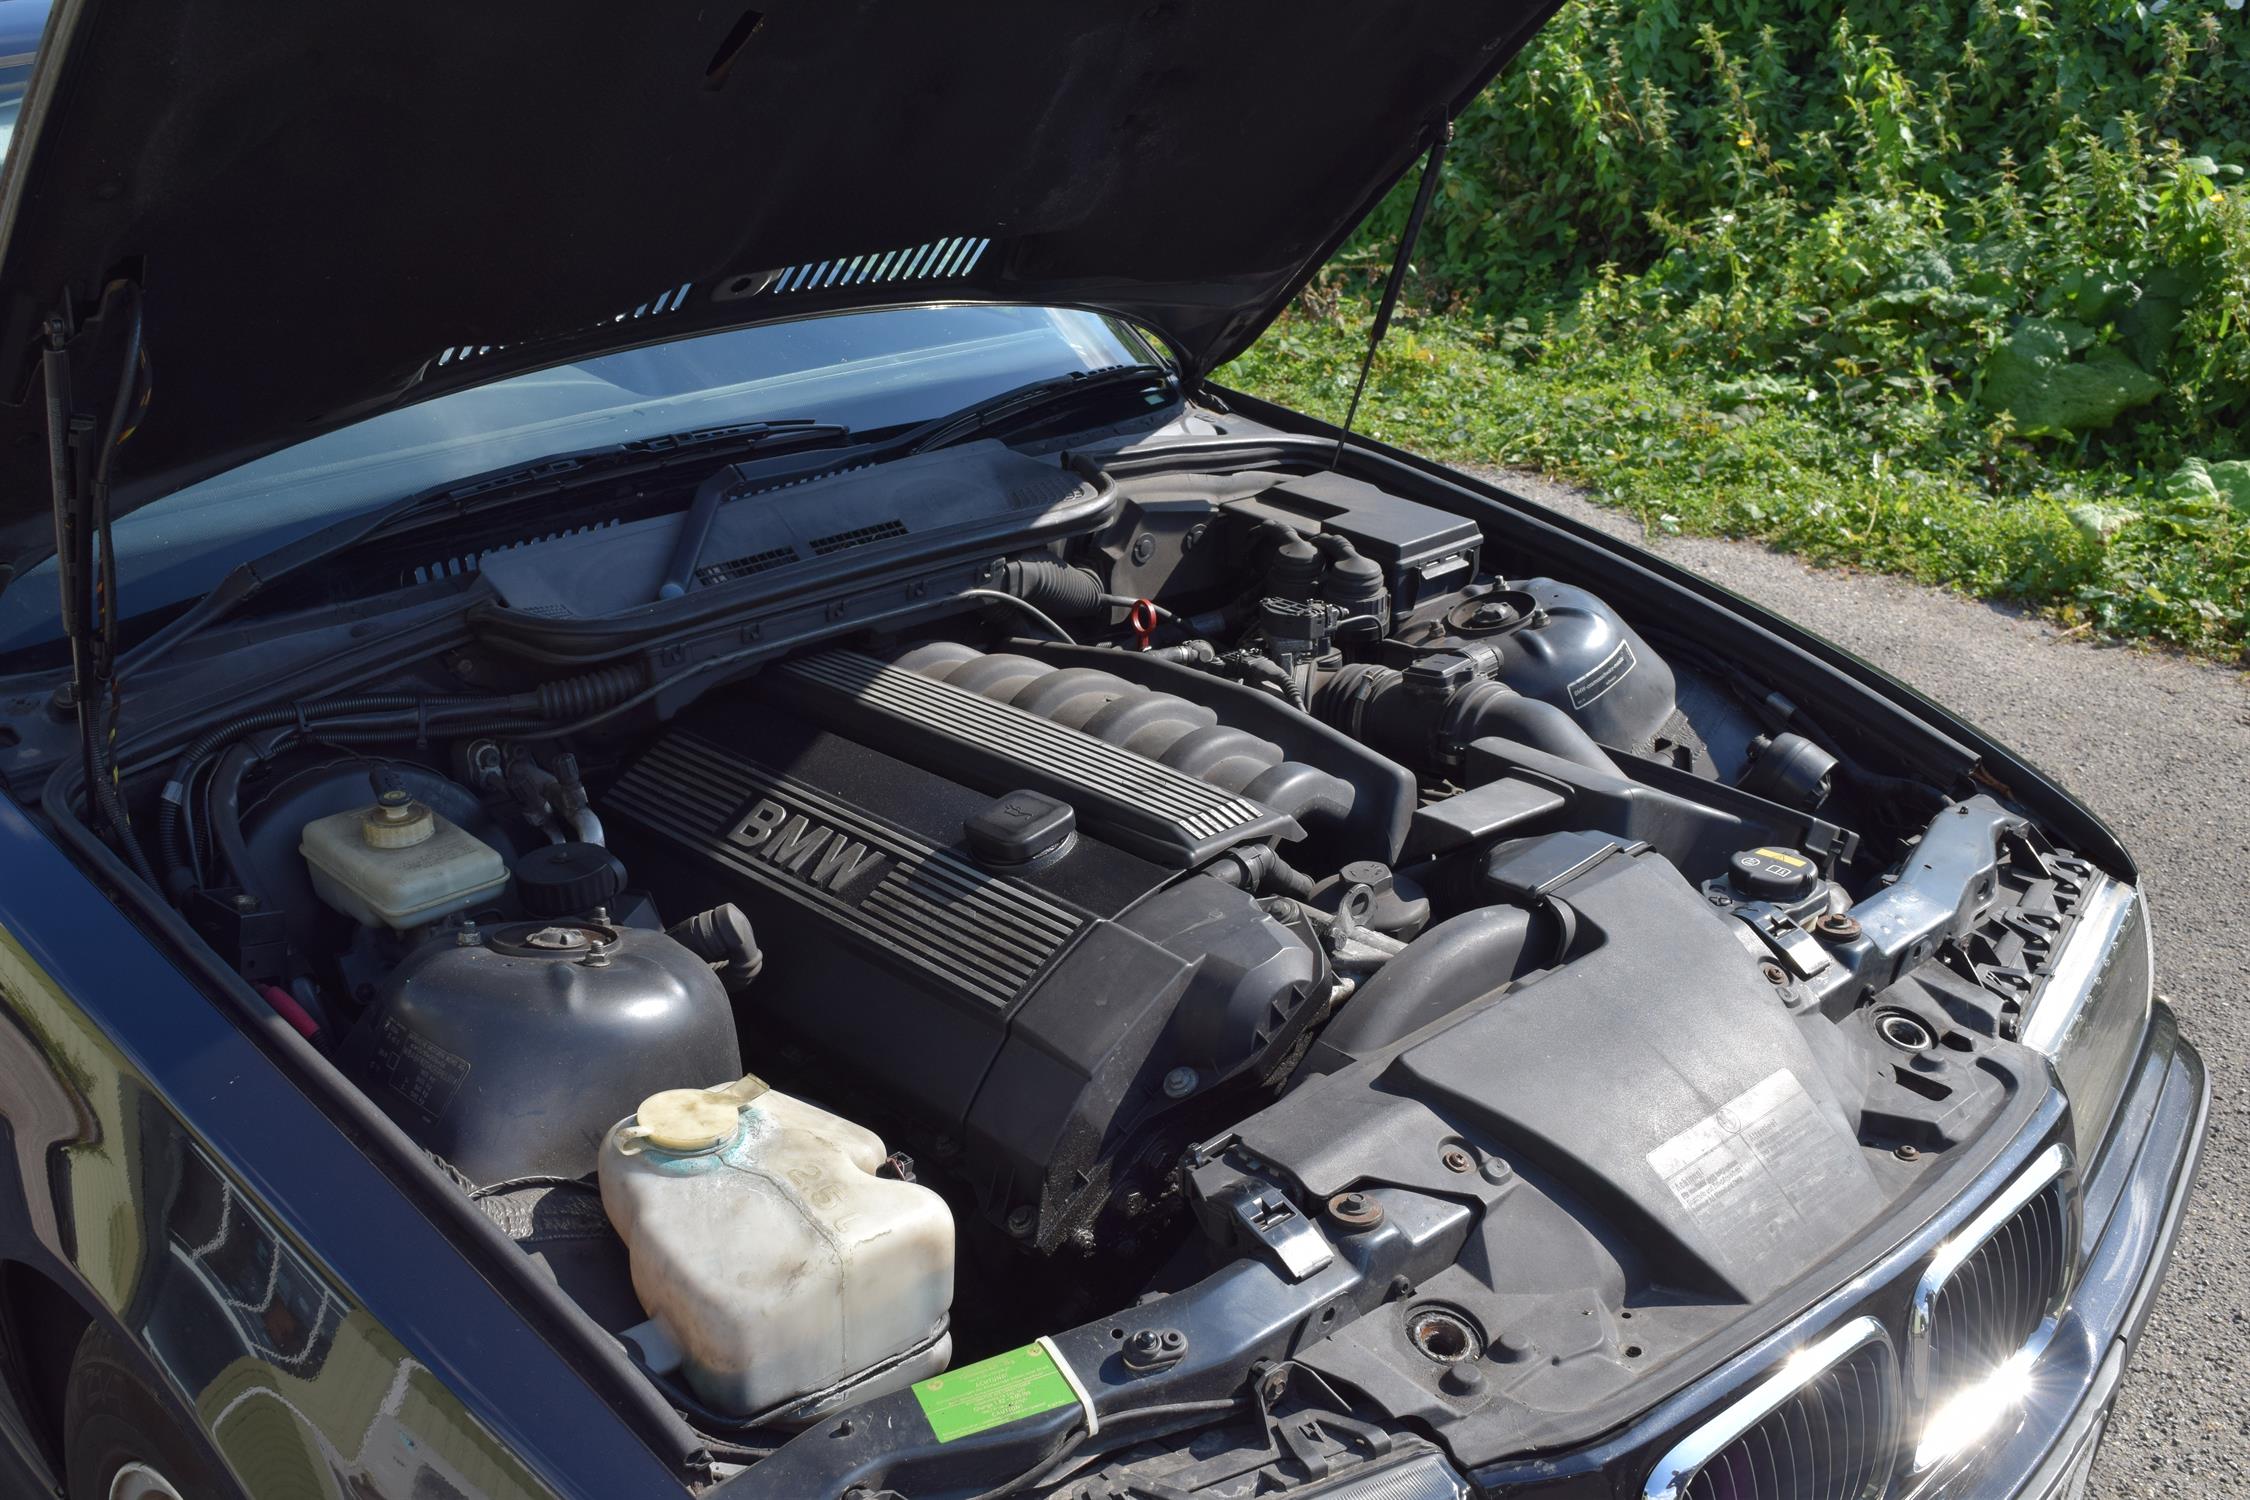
1021 1219
1836 927
1907 1153
1179 1083
467 936
1454 1159
1718 899
1774 973
1355 1210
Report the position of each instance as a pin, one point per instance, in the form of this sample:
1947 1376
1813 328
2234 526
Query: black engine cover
1032 1013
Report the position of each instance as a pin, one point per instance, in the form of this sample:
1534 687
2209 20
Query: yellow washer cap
688 1119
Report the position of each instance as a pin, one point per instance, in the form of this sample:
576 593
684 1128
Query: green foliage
1769 459
1955 274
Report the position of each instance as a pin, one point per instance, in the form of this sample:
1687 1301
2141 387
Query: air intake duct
1425 714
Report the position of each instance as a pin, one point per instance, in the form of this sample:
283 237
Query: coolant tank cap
687 1119
1769 874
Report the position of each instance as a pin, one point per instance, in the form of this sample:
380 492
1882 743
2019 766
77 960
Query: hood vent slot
743 567
670 300
858 536
939 260
460 563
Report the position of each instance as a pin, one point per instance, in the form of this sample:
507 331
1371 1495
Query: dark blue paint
225 1100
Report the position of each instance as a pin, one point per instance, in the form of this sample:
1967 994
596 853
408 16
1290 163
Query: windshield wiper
462 498
1040 395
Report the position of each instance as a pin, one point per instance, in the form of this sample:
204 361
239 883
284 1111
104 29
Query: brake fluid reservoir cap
399 825
688 1119
396 821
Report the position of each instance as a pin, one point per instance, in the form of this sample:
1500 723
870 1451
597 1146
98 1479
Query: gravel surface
2160 747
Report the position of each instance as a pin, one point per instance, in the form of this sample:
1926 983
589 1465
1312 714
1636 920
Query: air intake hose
1056 587
1426 714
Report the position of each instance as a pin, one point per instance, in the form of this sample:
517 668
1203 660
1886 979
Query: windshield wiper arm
1011 404
248 578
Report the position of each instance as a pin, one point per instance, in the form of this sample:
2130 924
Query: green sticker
993 1392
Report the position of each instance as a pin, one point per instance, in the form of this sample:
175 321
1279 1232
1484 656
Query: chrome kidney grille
1992 1292
1831 1423
1998 1300
1823 1427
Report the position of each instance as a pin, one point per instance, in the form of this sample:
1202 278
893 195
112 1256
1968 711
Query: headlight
2093 1010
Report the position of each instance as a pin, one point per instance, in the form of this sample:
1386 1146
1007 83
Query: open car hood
332 210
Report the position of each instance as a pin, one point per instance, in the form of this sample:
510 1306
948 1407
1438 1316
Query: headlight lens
2093 1011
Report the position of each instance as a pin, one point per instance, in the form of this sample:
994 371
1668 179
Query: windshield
868 371
21 22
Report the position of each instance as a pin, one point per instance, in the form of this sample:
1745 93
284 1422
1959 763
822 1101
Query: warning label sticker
1614 669
1751 1171
993 1392
417 1069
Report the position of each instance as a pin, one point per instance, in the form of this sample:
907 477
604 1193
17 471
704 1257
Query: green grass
1667 443
1955 288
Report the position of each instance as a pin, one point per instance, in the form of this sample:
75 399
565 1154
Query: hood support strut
80 451
1441 134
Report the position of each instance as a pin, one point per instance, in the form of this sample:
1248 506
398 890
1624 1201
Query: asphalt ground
2160 747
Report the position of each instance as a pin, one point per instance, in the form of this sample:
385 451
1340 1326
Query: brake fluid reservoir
398 864
767 1249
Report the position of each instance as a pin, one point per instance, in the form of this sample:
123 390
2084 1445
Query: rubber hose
1053 586
722 937
1457 961
1286 879
231 849
1255 668
170 859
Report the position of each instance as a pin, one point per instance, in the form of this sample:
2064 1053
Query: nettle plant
2004 242
1888 200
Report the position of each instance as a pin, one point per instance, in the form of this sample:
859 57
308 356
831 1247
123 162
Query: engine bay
1072 888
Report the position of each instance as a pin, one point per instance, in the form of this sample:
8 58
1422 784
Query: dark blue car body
320 1319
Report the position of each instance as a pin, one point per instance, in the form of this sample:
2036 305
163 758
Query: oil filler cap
1022 830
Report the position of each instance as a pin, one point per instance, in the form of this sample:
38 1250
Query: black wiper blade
452 501
1010 405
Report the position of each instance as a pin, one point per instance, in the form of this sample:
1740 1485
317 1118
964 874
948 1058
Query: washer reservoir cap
688 1119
